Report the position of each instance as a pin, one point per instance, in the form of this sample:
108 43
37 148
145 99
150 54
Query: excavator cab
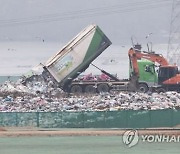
166 72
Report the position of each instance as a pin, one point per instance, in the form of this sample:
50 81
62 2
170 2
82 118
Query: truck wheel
161 90
90 89
103 87
76 89
143 88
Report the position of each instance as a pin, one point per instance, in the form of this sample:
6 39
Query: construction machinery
168 75
75 57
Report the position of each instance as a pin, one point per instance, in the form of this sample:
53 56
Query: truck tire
103 87
76 89
161 90
90 89
143 88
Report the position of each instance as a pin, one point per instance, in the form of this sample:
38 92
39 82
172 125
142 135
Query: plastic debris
43 95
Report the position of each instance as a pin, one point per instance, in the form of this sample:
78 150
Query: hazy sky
60 20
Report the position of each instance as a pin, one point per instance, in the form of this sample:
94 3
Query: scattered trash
41 95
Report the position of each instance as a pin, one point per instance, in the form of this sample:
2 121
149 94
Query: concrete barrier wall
107 119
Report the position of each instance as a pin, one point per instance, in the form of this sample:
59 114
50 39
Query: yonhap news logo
132 137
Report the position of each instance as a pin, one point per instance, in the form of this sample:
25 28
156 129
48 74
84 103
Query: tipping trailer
76 56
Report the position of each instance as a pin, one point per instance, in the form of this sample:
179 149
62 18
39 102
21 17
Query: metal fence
106 119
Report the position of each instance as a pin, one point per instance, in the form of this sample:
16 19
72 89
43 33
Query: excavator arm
133 61
153 57
134 56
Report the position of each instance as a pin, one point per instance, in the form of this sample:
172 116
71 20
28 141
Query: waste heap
44 96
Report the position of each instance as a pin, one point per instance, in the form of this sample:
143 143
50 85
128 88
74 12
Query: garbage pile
41 96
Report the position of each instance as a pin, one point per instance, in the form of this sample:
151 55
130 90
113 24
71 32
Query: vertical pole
16 116
62 119
37 118
150 119
82 118
172 117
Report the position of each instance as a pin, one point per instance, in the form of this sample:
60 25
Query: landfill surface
44 96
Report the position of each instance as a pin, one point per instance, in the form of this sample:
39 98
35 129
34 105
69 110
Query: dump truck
148 76
78 54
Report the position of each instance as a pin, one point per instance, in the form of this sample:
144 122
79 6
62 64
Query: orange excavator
168 75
